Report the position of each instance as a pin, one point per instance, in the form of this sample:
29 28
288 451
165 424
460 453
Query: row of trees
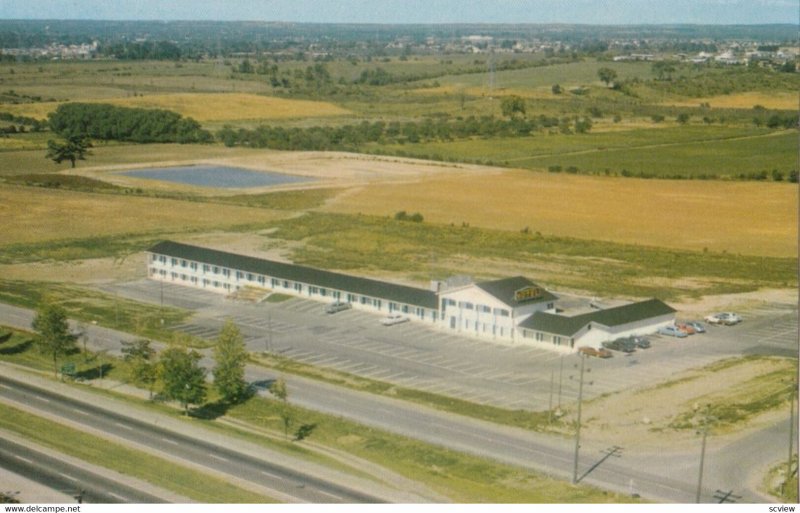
350 137
109 122
177 368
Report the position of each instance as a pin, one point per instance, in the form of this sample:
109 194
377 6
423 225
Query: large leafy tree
607 75
139 354
184 380
231 356
74 147
512 105
55 338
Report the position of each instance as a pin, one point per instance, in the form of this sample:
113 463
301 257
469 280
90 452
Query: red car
689 330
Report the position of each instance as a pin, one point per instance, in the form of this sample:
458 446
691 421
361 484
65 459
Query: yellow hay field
205 106
33 215
740 217
772 100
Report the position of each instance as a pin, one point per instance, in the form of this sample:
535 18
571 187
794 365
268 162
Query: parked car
724 318
672 331
621 344
599 352
698 326
686 328
641 342
393 319
337 306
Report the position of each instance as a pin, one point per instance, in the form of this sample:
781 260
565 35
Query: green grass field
690 152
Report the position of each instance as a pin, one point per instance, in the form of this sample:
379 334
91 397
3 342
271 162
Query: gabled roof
317 277
568 326
506 291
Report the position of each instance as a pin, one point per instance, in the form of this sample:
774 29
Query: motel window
226 272
162 259
153 258
206 268
193 266
378 304
205 283
405 308
549 306
336 294
184 263
421 313
297 286
539 337
351 298
194 279
502 312
216 270
313 290
216 284
249 277
174 261
285 284
450 302
239 275
366 300
557 340
485 309
262 280
323 292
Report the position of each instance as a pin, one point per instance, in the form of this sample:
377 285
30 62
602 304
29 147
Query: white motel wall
511 310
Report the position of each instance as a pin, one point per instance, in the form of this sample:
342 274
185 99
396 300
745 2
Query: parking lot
422 357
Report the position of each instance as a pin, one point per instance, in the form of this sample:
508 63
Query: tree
54 339
231 356
75 147
511 105
662 68
557 89
139 355
607 75
682 118
278 389
184 380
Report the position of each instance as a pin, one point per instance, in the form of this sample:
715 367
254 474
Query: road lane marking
123 426
273 476
220 458
68 477
41 399
331 495
82 412
169 441
26 460
112 494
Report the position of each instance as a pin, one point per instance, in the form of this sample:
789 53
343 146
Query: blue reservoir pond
216 176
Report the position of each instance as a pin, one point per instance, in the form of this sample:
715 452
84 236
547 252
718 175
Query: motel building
510 310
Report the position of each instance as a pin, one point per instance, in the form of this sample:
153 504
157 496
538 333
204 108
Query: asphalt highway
286 481
66 478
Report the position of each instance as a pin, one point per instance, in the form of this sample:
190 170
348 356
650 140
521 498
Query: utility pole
578 428
560 378
550 404
702 456
791 438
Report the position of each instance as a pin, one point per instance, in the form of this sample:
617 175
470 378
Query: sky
624 12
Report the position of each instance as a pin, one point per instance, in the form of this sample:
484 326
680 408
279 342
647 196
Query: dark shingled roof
298 273
568 326
505 289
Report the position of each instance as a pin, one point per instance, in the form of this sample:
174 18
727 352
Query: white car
393 319
725 318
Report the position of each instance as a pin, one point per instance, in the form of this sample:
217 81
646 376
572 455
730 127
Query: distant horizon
417 12
432 23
